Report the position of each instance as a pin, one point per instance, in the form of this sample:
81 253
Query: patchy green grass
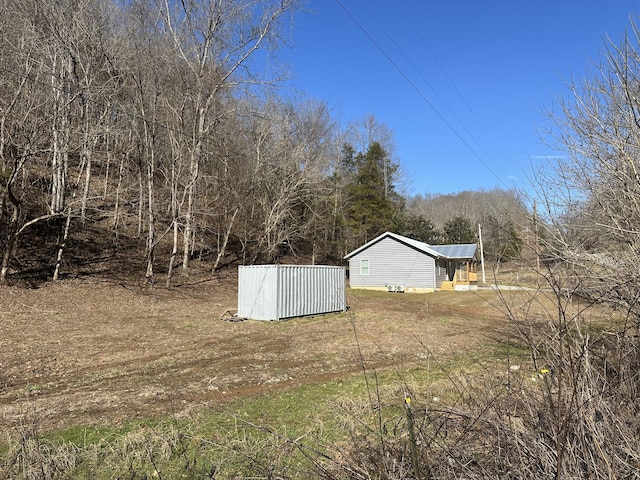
273 430
272 434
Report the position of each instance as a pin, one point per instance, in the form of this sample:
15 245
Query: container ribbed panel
273 292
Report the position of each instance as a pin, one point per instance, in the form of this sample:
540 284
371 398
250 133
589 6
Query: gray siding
393 263
273 292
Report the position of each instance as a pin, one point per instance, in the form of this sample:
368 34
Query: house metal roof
462 251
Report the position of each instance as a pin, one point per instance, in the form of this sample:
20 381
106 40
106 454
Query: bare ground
89 352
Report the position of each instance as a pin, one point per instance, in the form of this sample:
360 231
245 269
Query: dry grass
87 352
507 384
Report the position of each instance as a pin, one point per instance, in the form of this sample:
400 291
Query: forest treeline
157 124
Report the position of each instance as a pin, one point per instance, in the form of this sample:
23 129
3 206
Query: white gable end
391 262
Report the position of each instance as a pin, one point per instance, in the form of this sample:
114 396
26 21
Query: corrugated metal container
274 292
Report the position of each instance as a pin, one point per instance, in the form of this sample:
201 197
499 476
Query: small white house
395 263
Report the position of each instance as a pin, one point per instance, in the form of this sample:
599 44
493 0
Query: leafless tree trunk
222 247
174 178
60 132
194 171
62 243
141 197
118 192
215 39
90 140
174 249
11 240
148 96
151 226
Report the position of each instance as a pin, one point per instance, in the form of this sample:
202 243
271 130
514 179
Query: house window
364 267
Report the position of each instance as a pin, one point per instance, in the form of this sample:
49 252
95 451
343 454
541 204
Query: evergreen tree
459 230
419 228
373 204
502 242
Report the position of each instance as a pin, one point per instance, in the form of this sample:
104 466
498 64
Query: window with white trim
364 267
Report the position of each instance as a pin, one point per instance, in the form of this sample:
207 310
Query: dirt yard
88 352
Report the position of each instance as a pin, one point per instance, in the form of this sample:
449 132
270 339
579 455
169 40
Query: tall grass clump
30 456
166 450
567 410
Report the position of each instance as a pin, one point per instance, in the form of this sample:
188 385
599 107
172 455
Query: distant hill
476 206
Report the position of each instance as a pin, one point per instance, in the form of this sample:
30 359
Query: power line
424 79
419 92
455 87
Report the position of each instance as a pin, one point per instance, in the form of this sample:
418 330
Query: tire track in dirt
84 352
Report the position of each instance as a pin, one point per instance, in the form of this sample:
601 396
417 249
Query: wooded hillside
149 132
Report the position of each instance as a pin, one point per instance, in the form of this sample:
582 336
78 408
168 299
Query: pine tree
373 204
502 240
459 230
419 228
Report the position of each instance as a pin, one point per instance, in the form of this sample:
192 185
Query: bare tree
146 120
287 159
592 194
39 63
216 41
19 136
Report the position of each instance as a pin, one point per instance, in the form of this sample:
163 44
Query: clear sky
462 84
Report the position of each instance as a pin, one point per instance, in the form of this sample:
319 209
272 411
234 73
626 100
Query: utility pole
535 240
481 252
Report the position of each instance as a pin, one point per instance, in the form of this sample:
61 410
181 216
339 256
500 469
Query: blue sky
462 84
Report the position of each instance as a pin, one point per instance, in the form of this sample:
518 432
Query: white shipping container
274 292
